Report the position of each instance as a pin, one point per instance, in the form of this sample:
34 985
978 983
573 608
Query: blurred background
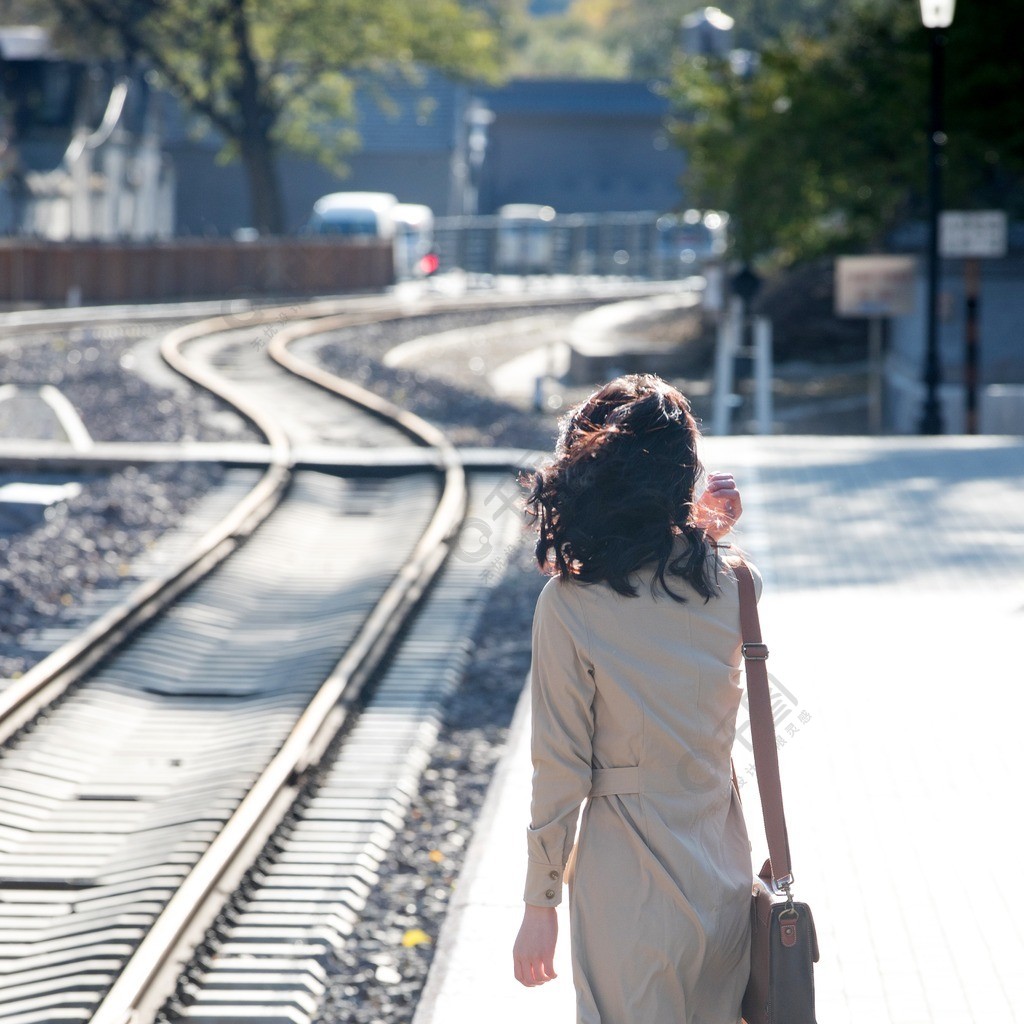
759 145
807 215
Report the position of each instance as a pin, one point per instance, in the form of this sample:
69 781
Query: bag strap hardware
755 652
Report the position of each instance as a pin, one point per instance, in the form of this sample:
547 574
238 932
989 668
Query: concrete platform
610 340
894 608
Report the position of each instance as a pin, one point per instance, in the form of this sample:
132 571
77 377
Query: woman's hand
719 506
534 951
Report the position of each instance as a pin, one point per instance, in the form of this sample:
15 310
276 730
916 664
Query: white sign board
970 234
874 286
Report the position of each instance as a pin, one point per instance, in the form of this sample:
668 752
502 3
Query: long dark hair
619 490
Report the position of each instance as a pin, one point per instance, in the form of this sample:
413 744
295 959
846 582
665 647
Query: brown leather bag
784 945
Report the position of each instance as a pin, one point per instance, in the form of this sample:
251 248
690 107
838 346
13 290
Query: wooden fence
55 273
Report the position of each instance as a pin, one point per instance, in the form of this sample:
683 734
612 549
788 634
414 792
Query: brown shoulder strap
762 728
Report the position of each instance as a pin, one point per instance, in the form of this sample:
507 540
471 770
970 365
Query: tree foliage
824 146
636 38
269 74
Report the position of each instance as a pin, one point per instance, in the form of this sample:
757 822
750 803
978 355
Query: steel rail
45 683
153 968
152 971
50 678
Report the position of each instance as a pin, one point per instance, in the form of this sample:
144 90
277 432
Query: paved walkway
894 609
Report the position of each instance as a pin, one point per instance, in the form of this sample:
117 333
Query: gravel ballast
54 556
379 975
461 402
84 544
113 376
86 541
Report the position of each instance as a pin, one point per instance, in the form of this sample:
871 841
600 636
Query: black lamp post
936 15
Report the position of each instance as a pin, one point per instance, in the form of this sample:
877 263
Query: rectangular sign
972 234
874 286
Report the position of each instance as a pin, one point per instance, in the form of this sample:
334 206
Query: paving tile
893 608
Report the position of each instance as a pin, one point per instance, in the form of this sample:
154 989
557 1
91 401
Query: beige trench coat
634 706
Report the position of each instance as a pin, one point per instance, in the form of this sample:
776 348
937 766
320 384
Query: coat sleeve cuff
543 884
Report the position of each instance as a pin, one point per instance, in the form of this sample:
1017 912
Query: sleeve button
550 894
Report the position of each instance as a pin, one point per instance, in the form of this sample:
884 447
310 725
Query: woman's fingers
533 972
719 506
533 954
720 484
723 495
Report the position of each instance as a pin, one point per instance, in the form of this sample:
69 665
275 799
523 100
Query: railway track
147 762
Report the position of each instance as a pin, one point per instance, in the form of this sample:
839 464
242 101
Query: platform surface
894 610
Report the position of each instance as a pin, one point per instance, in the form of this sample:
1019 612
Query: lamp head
937 13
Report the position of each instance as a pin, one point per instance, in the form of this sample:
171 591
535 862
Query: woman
636 685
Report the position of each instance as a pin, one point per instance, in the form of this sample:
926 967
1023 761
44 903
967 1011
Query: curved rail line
190 910
150 974
49 679
152 969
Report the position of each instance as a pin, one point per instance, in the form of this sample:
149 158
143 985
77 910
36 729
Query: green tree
633 38
269 74
649 30
824 146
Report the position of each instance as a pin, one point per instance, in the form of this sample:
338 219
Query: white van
409 226
354 215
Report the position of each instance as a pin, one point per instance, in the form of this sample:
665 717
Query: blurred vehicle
354 215
409 226
414 241
691 237
526 239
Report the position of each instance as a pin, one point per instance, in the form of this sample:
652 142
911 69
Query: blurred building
413 142
91 151
577 145
80 153
581 146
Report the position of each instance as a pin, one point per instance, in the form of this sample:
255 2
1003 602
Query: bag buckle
754 652
780 886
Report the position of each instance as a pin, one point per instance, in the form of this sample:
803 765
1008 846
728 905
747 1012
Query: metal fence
641 244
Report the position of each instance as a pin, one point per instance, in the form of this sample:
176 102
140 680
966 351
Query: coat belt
614 781
689 777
